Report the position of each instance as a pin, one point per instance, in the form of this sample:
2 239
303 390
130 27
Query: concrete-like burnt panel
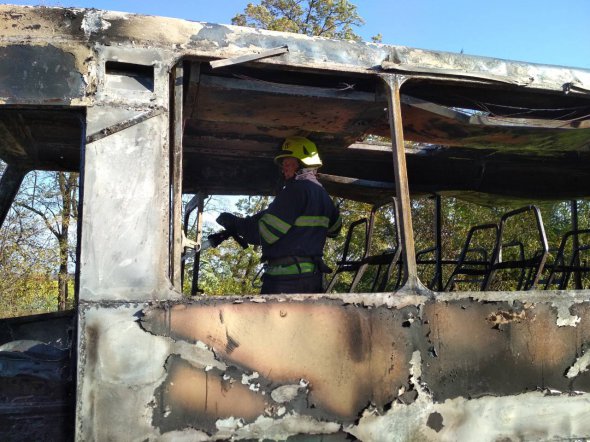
126 174
340 357
380 368
500 348
39 74
119 368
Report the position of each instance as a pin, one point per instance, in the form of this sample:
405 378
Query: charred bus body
148 109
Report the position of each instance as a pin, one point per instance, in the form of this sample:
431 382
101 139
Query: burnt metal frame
196 202
122 125
176 131
404 221
350 265
438 276
10 182
369 240
436 283
576 244
246 58
574 266
524 279
385 261
463 261
197 260
394 83
536 263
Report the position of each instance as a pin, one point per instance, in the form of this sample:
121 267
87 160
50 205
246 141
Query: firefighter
293 229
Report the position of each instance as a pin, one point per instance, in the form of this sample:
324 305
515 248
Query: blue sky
538 31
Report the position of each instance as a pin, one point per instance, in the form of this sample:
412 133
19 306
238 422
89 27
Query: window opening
129 76
38 242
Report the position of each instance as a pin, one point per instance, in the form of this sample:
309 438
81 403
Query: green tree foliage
520 236
37 245
377 38
229 269
53 198
325 18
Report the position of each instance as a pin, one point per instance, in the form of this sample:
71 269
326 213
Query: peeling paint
564 316
288 355
580 366
189 435
289 425
189 397
529 416
474 373
93 22
285 393
246 380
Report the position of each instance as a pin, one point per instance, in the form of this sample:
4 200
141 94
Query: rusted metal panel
361 362
309 108
502 348
357 364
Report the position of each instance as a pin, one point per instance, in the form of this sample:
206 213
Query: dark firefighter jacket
296 223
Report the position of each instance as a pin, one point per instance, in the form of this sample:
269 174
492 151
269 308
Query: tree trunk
249 272
62 277
67 188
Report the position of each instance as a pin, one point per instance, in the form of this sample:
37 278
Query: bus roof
477 127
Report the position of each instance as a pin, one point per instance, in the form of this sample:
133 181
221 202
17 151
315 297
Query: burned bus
151 110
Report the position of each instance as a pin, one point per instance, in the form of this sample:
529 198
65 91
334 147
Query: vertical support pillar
394 83
576 244
11 180
438 284
177 127
197 263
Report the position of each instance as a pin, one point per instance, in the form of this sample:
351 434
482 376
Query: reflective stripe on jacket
296 223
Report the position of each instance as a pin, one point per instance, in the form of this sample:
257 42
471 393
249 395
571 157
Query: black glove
217 238
228 221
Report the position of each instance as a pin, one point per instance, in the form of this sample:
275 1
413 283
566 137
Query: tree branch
43 217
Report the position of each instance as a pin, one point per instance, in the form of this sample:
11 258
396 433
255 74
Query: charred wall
396 366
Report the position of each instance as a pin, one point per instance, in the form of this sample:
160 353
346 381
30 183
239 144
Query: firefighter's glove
228 221
217 238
